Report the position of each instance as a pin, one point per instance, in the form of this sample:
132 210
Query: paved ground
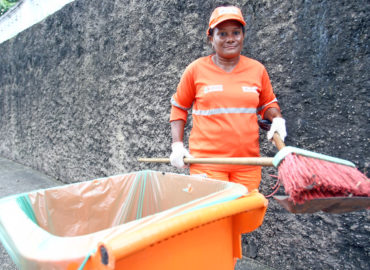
16 178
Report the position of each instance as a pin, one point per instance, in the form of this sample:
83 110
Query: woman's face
227 39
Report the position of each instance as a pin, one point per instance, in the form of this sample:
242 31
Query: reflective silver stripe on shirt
264 106
174 103
224 111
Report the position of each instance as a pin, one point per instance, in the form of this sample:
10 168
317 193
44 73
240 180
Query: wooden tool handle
257 161
278 141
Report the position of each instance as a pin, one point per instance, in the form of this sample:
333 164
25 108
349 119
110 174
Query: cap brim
228 18
224 20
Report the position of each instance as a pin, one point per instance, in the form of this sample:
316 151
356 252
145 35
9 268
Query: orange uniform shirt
225 107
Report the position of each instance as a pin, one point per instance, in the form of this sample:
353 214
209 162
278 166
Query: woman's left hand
278 125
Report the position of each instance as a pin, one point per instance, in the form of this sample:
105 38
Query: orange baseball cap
222 14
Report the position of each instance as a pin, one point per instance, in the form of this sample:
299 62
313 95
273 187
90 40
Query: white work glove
178 154
278 125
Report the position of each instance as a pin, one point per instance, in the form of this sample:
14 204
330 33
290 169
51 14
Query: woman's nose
230 38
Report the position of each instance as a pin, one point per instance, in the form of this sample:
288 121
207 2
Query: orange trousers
251 178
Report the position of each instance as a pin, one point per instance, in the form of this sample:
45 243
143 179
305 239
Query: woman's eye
236 33
223 34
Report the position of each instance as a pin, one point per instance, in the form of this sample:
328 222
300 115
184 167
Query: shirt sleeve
267 97
184 97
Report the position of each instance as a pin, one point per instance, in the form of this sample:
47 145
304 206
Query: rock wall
86 91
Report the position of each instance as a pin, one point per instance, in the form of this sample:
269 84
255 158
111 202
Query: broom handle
278 141
257 161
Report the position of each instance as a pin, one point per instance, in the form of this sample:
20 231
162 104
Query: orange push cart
208 238
142 220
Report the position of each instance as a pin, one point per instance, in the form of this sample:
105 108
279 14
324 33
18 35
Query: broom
307 175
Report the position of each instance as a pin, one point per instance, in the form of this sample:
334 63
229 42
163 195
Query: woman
226 91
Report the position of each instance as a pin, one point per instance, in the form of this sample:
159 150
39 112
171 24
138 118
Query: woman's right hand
178 154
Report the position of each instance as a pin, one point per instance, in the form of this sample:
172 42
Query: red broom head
305 178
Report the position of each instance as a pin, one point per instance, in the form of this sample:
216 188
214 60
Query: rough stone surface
86 91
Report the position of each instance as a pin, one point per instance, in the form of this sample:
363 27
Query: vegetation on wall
5 5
